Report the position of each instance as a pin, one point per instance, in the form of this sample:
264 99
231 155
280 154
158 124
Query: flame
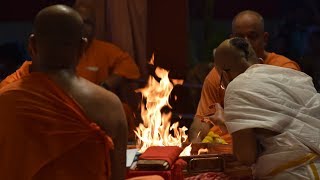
186 151
155 130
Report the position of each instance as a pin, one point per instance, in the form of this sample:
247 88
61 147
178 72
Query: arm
245 146
198 130
116 124
210 94
113 82
123 67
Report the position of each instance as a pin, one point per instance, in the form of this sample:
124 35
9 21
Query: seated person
102 63
55 124
250 25
272 113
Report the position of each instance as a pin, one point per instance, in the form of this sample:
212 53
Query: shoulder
103 45
18 74
213 77
102 106
282 61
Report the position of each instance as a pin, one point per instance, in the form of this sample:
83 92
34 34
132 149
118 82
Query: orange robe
212 93
18 74
44 134
102 59
99 61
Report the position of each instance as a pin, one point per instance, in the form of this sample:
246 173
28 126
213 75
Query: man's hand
217 119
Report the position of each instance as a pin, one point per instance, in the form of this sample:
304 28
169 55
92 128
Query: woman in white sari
272 113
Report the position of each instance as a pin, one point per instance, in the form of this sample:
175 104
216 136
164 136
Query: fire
186 151
155 130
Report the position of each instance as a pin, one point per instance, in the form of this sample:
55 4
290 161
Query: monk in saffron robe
250 25
102 63
55 124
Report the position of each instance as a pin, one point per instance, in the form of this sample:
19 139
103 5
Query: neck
52 70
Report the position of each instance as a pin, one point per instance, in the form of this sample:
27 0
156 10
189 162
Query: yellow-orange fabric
99 61
212 92
102 59
18 74
44 134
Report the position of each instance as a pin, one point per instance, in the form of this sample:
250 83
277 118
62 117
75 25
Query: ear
32 48
83 46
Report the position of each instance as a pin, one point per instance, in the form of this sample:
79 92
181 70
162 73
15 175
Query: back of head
233 56
244 50
57 41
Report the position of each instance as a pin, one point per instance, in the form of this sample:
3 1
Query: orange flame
155 130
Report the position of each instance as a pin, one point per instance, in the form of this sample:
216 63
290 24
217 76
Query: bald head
250 25
250 17
233 56
57 37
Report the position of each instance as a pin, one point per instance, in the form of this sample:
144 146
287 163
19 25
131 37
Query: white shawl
277 99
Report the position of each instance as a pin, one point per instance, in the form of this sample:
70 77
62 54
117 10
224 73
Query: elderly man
272 113
55 124
250 25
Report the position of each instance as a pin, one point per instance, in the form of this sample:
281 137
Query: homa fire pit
206 157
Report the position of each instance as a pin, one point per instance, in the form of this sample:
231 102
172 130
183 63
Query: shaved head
248 15
250 25
57 38
233 56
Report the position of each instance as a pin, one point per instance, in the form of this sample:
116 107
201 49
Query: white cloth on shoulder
277 99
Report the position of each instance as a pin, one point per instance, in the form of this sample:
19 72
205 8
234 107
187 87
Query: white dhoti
283 101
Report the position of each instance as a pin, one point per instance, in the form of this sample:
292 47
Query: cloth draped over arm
280 100
44 134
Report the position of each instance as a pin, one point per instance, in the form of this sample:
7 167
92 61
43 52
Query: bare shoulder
100 105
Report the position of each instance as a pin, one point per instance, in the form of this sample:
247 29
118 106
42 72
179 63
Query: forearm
113 82
118 157
198 130
245 146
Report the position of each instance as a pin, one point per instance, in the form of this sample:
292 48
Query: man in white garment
272 113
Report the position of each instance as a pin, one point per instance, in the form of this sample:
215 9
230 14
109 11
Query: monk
54 123
274 122
250 25
102 63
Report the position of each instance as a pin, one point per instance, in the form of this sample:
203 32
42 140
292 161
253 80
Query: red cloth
167 153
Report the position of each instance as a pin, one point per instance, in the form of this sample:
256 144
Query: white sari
284 101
